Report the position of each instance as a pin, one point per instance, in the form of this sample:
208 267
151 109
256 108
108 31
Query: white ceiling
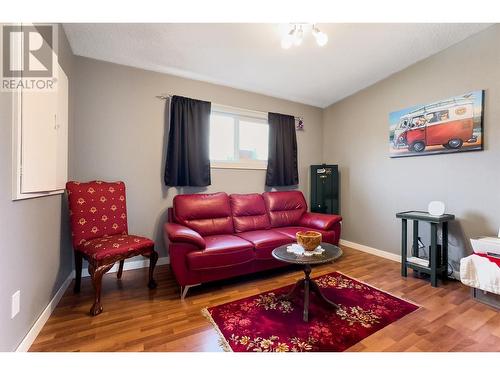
249 56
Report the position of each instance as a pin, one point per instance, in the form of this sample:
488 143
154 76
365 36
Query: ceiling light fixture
295 36
298 35
288 39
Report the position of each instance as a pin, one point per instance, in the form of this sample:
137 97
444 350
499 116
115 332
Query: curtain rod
169 96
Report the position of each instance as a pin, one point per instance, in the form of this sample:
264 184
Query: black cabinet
325 189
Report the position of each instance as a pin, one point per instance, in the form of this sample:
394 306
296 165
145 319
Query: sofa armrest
181 233
319 221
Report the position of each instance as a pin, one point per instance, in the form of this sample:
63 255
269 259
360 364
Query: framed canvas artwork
450 125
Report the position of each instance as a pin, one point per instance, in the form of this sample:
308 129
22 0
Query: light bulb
299 34
321 37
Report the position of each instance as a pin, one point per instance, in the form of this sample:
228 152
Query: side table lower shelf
426 269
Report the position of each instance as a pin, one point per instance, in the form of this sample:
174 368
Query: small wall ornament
300 124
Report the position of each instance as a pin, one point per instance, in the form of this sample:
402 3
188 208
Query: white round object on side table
436 208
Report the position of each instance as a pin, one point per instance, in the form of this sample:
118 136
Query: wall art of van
449 125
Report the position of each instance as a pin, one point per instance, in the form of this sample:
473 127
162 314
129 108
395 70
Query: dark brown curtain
282 164
188 160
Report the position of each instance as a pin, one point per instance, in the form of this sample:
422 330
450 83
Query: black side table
438 263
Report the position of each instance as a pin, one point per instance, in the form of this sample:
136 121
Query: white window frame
239 114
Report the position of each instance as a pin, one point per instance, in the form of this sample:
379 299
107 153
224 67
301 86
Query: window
238 139
443 115
417 122
403 124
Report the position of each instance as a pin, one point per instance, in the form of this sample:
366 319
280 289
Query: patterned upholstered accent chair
99 230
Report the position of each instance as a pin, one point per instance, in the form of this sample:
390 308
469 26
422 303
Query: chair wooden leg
120 269
96 274
78 271
153 258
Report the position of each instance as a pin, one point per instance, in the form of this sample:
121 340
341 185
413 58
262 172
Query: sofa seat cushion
289 232
265 241
221 251
112 246
328 236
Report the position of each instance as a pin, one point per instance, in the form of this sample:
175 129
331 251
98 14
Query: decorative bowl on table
309 240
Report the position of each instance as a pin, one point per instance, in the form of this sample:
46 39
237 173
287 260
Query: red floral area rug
264 323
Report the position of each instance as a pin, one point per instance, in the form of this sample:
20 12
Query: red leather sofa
217 236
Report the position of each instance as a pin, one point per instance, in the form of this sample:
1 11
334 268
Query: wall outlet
16 304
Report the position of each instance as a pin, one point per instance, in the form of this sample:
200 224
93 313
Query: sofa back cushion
249 212
285 208
207 214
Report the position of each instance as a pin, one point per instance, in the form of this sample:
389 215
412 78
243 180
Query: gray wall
120 134
35 252
375 187
117 131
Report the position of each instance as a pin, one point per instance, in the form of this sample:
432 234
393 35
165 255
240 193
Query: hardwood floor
137 319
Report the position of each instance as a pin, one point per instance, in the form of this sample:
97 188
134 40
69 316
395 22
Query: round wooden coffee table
331 253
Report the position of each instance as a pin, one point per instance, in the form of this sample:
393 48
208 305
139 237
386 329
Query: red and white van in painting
449 123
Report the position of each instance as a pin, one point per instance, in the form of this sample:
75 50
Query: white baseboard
384 254
45 315
372 250
132 265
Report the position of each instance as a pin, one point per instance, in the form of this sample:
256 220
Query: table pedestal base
308 285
